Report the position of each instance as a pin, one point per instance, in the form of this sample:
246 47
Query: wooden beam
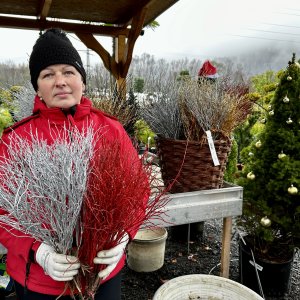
38 24
225 253
45 9
135 30
120 44
90 41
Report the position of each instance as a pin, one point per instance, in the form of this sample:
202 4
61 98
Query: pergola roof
39 14
120 19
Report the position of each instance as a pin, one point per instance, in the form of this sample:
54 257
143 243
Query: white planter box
184 208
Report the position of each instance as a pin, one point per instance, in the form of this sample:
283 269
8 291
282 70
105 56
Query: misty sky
194 29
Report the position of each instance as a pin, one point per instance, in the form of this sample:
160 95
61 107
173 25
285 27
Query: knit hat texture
51 48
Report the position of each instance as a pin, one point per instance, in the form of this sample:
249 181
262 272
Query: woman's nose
59 80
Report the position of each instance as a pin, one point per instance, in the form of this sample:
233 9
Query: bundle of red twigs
117 201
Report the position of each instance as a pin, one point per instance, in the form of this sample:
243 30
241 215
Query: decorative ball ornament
265 221
286 99
258 144
250 153
251 176
289 78
292 190
281 155
271 112
263 121
289 121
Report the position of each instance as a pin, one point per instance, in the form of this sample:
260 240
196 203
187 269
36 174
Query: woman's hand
111 257
59 267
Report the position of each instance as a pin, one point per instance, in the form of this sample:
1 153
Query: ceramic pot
202 286
146 252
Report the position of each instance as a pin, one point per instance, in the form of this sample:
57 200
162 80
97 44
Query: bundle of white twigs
42 186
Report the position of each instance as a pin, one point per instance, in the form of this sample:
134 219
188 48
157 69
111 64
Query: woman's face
60 86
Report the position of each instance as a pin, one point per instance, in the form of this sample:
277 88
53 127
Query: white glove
59 267
111 257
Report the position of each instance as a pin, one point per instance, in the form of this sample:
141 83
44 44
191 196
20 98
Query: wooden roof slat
45 9
37 24
117 12
135 31
90 41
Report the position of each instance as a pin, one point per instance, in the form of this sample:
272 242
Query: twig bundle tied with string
116 203
42 186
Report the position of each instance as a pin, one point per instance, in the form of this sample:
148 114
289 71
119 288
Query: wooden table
225 203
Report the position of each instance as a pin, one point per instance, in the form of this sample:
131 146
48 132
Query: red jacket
19 248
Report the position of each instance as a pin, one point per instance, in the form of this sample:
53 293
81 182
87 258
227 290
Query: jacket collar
57 115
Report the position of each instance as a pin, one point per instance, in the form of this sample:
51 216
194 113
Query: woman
59 78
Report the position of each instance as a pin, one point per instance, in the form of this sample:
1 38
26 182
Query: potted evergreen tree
271 182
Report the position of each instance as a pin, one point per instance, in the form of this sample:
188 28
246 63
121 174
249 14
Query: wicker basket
190 164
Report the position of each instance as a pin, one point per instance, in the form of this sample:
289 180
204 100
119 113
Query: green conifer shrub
271 176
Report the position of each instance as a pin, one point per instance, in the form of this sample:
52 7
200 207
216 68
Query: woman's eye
69 72
47 75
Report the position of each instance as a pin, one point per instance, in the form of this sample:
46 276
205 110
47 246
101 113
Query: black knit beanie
53 47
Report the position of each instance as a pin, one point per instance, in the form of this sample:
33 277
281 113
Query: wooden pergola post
120 49
119 62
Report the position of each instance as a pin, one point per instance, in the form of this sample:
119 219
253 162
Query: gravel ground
200 256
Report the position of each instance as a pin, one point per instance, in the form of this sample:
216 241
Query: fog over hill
260 59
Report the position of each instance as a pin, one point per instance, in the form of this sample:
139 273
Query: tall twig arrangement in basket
186 109
194 121
162 112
